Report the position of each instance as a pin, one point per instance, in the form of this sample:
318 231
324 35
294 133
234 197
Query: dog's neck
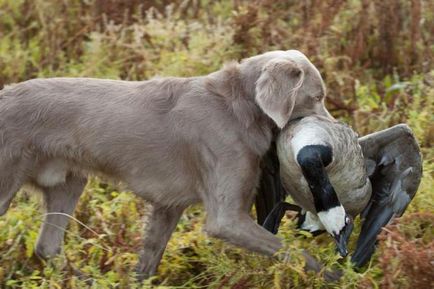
238 92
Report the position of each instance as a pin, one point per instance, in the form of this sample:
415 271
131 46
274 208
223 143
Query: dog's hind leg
60 201
161 223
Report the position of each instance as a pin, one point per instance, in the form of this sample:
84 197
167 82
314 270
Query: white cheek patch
333 219
308 136
312 223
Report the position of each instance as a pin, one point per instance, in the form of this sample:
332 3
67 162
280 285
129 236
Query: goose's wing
270 191
394 167
270 198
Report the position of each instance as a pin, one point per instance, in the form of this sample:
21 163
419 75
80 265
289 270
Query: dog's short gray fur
173 141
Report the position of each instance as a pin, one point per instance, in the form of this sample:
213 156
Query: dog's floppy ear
276 89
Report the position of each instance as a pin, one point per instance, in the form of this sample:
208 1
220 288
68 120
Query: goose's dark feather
270 191
394 181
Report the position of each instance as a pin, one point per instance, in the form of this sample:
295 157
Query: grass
376 58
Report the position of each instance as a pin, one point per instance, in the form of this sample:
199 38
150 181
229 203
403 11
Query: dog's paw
283 255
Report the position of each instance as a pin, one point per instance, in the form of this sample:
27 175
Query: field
376 57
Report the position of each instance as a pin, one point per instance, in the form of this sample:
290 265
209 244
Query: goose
323 169
317 158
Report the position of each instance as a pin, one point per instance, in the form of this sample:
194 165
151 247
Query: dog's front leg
12 177
228 203
161 223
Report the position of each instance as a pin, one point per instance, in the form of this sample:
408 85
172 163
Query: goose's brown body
347 171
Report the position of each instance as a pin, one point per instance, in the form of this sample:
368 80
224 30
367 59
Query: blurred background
376 57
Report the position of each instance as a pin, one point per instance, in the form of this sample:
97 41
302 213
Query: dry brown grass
407 252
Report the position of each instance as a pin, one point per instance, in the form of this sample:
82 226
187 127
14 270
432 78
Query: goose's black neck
313 159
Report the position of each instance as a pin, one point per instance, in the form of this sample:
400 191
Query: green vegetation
376 57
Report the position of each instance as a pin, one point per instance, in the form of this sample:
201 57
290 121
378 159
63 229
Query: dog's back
122 129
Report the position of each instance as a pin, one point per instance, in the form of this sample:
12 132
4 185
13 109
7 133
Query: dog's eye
319 97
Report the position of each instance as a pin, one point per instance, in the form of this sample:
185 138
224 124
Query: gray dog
173 141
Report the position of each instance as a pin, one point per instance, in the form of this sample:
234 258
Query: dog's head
286 84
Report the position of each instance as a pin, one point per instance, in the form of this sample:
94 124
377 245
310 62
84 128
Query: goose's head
339 225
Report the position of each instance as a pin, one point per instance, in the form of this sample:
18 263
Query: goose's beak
341 245
341 239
